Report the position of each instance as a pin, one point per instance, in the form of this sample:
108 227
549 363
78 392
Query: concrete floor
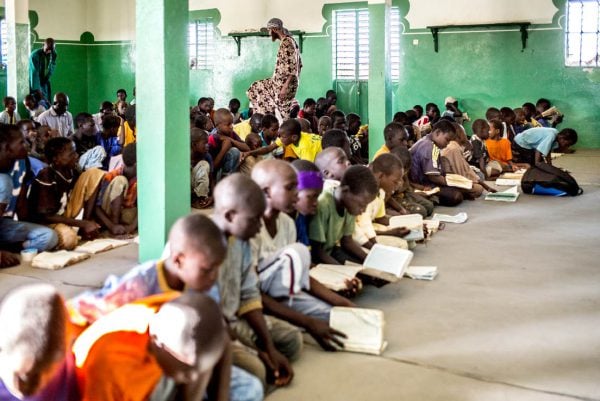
513 314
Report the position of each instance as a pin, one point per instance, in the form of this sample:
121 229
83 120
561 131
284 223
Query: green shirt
328 227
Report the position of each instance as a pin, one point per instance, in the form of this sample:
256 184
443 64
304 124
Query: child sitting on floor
426 168
454 162
85 133
201 165
308 111
324 124
479 154
405 200
310 186
302 300
10 115
239 207
253 124
113 209
336 213
17 234
338 138
108 138
35 362
535 145
59 194
333 163
395 135
499 148
224 145
162 347
387 170
196 249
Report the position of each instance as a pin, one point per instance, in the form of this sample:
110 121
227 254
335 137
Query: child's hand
118 229
278 366
243 156
90 228
353 287
398 231
326 336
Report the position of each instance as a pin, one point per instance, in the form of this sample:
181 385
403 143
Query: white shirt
62 123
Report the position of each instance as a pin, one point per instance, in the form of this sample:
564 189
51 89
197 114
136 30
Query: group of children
284 199
61 178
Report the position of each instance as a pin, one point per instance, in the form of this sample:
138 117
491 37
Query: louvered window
350 42
201 44
583 33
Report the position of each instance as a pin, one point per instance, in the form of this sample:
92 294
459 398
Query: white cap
449 99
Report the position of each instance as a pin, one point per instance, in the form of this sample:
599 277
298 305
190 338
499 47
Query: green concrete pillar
162 83
380 84
17 27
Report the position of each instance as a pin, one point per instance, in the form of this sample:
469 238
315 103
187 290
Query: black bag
544 179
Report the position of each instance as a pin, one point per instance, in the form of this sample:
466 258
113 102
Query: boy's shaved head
32 336
237 192
327 155
221 115
268 171
386 163
200 233
191 329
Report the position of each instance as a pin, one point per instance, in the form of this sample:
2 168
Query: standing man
41 66
275 94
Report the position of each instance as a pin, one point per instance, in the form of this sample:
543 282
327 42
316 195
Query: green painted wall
481 69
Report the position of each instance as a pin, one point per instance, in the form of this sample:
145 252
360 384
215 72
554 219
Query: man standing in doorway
275 94
41 66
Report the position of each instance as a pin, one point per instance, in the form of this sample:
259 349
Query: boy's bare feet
8 259
202 203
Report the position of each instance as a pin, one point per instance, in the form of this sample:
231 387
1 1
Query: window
3 45
583 33
350 43
201 44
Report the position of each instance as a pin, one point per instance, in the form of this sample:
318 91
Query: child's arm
325 294
218 387
225 146
114 227
318 329
274 360
348 244
394 204
241 145
319 255
260 151
438 180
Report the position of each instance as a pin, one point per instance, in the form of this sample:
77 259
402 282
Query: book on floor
414 222
100 245
458 218
364 329
458 181
421 272
510 195
58 260
384 263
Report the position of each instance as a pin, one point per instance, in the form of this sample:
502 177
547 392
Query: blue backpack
544 179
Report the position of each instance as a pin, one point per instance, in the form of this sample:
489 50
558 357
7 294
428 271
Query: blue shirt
111 146
425 161
541 139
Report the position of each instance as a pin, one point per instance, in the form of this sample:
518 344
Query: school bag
544 179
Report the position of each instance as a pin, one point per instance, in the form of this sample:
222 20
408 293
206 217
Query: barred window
3 45
350 44
201 44
583 33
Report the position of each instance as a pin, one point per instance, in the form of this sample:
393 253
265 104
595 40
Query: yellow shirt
309 146
130 134
243 129
382 150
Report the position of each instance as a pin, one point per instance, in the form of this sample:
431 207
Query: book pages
388 259
57 260
334 276
100 245
458 181
510 195
363 328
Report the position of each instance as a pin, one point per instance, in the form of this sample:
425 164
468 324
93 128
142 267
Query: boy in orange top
499 148
164 346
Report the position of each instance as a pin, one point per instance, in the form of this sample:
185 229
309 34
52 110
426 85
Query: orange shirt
499 150
112 357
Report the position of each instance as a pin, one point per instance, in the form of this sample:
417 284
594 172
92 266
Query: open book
504 182
100 245
57 260
510 195
458 181
430 192
363 328
383 262
414 222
